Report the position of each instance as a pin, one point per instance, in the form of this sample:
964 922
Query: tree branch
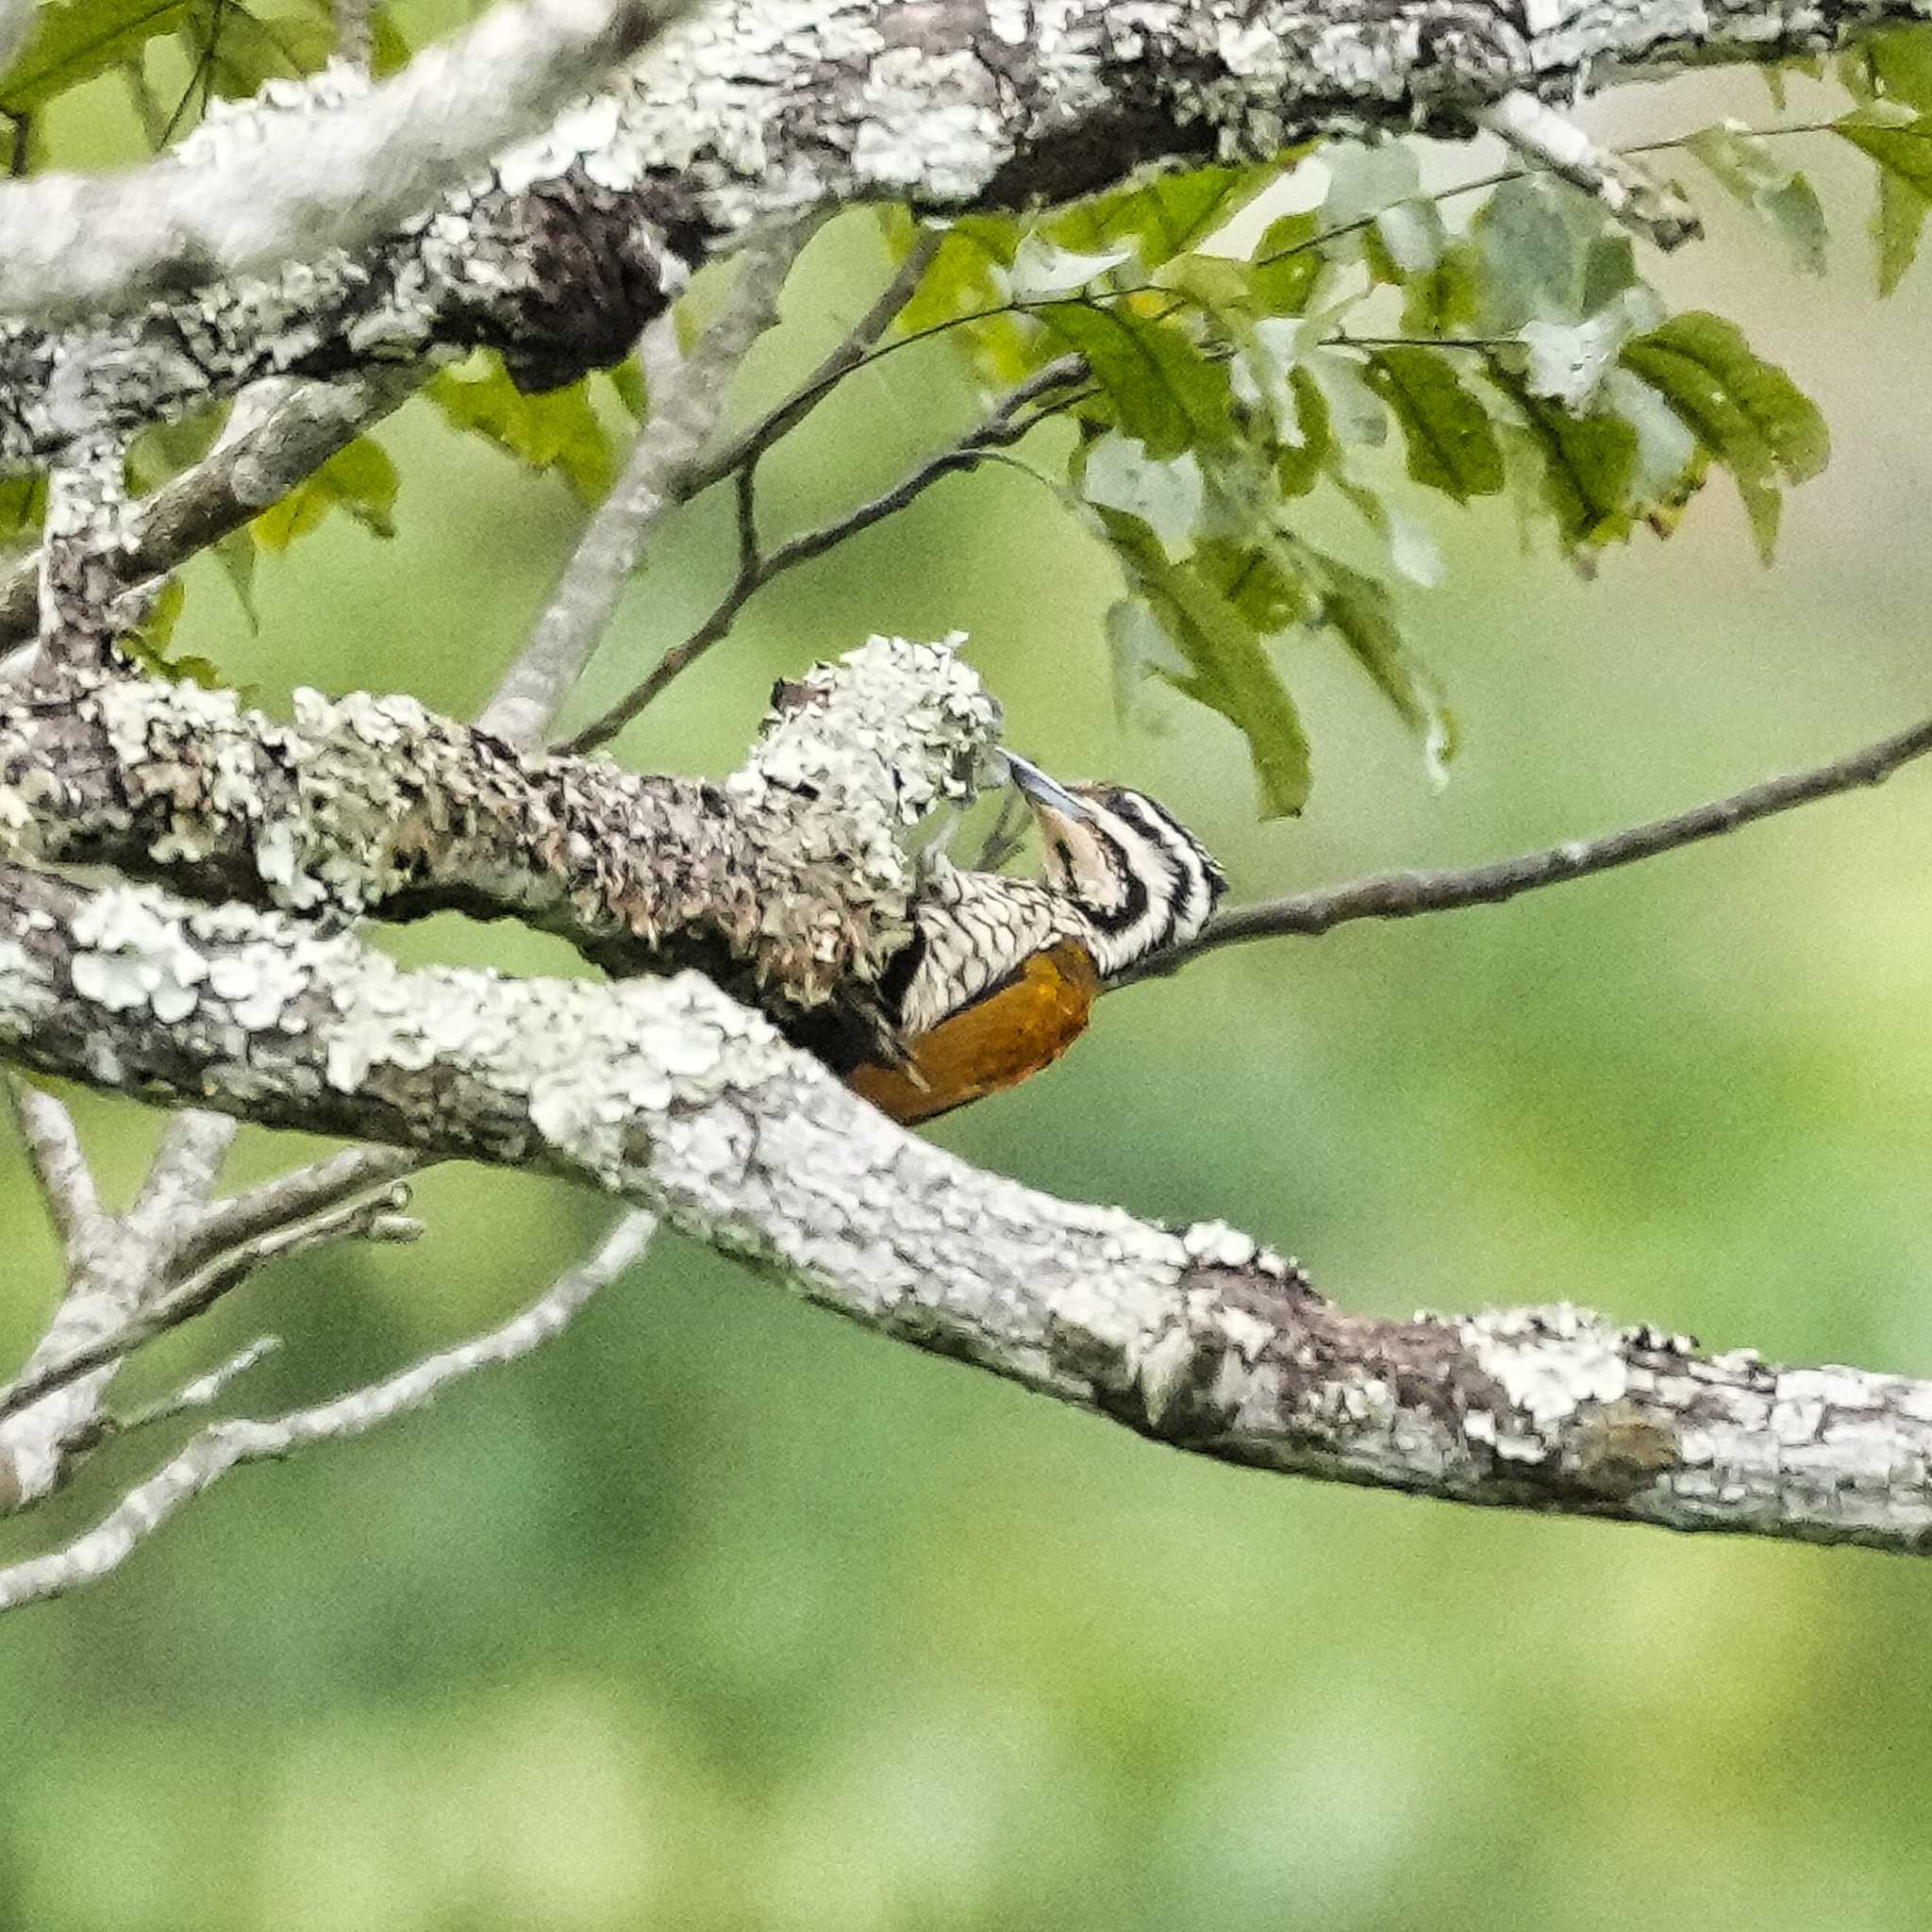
375 806
304 1194
353 163
757 110
58 1164
186 1294
227 1445
670 1095
687 401
242 477
1404 894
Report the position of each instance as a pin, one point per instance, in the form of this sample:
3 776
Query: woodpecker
1000 973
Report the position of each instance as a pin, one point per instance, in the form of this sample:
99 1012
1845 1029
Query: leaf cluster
1219 380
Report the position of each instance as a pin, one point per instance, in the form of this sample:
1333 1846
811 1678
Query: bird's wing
1006 1036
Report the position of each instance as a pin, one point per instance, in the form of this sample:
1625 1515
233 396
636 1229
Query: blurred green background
720 1614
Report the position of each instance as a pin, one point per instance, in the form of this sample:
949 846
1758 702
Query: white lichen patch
1548 1361
134 952
1218 1244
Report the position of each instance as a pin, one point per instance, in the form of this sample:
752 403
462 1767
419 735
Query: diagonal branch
333 176
687 400
757 567
673 1097
1406 895
227 1445
58 1164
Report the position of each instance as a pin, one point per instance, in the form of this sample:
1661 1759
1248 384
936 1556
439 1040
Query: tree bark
672 1097
753 112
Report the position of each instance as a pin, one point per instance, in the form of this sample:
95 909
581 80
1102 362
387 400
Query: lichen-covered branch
669 1094
226 1445
349 164
248 469
375 805
752 113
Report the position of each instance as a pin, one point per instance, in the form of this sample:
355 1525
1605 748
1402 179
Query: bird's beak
1041 789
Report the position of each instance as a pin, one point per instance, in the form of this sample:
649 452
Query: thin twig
203 1391
1006 425
298 1195
1536 130
58 1163
226 1445
687 399
1406 895
851 355
377 1219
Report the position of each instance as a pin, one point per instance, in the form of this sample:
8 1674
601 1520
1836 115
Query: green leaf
628 382
1445 299
1258 580
960 279
556 430
1580 466
235 553
1668 467
1288 266
1229 667
1163 389
238 51
1546 254
23 508
1451 444
1168 215
1532 246
1747 412
1116 473
1355 414
1360 611
1903 157
76 41
148 642
358 479
1893 65
1299 464
1744 164
1376 211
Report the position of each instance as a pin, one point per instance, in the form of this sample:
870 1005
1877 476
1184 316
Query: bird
1001 974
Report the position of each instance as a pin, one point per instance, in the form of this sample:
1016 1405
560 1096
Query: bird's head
1141 878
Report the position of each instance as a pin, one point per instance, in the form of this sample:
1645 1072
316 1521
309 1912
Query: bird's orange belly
997 1042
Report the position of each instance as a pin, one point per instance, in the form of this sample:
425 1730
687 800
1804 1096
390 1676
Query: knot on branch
562 279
